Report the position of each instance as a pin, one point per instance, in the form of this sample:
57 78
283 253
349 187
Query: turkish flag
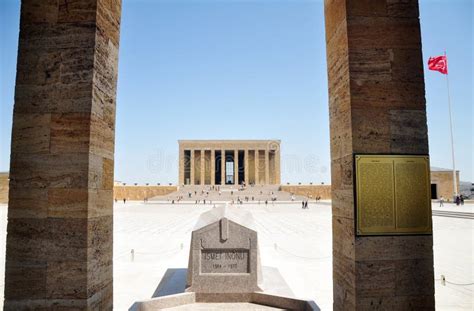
438 63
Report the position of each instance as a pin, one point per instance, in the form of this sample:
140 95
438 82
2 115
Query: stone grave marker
224 255
224 271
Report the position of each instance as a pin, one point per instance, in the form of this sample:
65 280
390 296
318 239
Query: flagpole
455 188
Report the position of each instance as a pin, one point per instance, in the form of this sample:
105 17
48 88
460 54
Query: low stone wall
134 193
138 193
3 188
310 191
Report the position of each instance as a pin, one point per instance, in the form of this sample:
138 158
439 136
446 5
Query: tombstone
224 255
224 267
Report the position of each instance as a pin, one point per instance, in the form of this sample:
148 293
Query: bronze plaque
392 195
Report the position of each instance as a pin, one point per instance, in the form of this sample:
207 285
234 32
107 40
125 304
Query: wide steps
229 193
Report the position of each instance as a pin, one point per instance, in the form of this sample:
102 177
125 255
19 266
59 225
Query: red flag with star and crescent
438 63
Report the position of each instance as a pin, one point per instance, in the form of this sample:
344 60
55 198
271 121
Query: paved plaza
296 241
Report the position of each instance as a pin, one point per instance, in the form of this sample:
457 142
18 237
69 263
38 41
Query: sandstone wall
129 192
138 193
3 188
444 182
324 191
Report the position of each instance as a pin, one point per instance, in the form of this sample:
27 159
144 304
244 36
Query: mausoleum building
229 162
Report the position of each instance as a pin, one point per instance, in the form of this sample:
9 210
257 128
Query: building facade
442 183
229 162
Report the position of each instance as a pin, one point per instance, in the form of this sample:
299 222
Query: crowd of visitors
238 195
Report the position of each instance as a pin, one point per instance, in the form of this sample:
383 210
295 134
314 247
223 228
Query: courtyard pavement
296 241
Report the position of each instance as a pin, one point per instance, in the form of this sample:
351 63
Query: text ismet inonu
224 255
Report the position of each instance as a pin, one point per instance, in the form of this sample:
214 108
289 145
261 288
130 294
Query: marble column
246 167
236 167
376 105
213 167
59 240
257 167
223 159
193 166
203 167
181 166
267 167
277 167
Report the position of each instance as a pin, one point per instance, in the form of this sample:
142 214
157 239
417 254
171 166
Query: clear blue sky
247 70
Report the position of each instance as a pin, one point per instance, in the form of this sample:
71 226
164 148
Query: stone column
223 167
213 167
236 167
193 166
181 166
277 167
267 167
257 167
203 167
59 241
246 167
376 105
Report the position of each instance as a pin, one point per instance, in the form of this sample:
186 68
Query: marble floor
296 241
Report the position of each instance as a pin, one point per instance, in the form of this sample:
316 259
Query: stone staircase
229 193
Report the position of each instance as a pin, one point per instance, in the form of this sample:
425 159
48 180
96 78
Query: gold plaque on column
392 195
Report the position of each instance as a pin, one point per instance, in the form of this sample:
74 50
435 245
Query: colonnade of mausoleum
229 162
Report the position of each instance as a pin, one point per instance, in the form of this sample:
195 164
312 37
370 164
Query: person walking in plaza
441 201
458 200
461 199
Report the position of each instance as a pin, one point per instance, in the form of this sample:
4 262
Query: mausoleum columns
182 161
203 167
204 161
213 167
193 165
223 160
267 167
257 167
277 168
246 166
236 166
